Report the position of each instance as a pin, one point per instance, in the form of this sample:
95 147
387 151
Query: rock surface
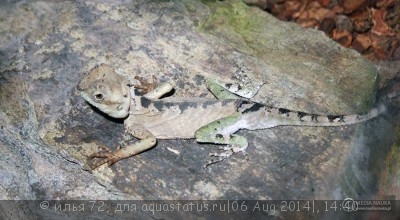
48 131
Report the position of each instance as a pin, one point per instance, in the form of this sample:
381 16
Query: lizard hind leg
218 91
236 144
223 90
222 132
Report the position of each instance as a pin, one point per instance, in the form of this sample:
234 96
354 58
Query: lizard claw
109 156
217 157
107 149
145 86
227 151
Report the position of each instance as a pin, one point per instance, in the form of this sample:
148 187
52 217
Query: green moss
389 180
208 1
231 17
11 94
392 161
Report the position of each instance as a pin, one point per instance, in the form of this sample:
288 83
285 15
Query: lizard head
108 91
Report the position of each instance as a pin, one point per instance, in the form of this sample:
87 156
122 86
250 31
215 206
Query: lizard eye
99 96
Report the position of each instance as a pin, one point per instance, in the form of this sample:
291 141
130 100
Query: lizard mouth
121 110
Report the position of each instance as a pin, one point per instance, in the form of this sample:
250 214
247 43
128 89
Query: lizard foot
109 155
145 86
227 151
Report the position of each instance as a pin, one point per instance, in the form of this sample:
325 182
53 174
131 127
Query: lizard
149 116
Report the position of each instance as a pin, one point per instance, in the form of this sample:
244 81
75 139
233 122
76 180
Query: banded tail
262 117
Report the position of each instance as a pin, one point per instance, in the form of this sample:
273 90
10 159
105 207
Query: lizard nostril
120 107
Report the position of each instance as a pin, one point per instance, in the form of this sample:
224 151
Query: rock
287 66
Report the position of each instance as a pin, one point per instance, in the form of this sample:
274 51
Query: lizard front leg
147 140
222 132
152 90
